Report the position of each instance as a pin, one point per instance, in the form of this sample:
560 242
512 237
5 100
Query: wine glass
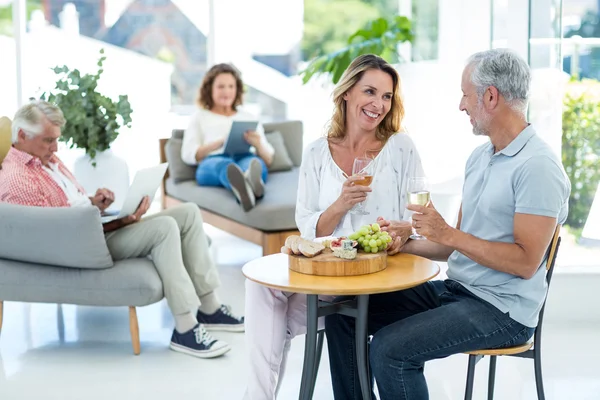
418 194
362 166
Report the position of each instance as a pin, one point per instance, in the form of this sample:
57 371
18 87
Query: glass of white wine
362 166
418 194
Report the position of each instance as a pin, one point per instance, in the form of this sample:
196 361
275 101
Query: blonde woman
368 114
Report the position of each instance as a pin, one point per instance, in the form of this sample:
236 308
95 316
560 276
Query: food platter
337 257
326 264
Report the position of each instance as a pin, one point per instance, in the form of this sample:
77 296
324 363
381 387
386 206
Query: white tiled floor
86 354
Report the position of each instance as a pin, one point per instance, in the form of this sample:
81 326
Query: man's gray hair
30 118
506 71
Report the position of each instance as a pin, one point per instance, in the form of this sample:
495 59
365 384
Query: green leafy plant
93 120
378 36
581 147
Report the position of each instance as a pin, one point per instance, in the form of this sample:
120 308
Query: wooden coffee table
403 271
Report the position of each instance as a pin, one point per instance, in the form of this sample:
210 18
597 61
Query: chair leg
539 382
1 313
320 340
470 377
492 377
135 330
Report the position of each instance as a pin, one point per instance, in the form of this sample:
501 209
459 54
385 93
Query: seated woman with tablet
227 144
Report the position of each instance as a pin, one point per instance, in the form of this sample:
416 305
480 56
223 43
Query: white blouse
321 180
206 126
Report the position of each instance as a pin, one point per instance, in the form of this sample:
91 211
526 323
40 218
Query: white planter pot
111 172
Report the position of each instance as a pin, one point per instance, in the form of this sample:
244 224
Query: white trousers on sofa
272 319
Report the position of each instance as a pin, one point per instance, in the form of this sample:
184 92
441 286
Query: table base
356 307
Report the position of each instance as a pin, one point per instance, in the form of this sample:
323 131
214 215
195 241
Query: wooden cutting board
326 264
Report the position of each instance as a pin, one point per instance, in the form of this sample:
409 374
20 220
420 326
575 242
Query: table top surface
403 271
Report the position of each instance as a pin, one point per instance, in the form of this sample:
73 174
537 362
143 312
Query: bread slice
286 250
295 245
290 239
309 248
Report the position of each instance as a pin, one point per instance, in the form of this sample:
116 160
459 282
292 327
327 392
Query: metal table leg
362 357
310 348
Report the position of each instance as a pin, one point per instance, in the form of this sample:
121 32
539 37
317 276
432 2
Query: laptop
146 183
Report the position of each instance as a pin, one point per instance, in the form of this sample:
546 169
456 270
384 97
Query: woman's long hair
391 122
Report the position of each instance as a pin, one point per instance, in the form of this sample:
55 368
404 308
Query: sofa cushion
132 282
274 212
292 133
178 170
281 157
66 236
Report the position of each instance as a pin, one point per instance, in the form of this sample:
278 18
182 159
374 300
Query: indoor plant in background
93 123
379 36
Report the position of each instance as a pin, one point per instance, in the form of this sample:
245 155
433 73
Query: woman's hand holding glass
362 168
352 193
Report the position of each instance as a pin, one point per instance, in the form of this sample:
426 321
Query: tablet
146 183
236 144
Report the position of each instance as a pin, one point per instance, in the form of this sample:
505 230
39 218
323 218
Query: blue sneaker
222 320
198 343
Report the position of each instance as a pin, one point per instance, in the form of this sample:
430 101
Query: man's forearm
504 257
428 249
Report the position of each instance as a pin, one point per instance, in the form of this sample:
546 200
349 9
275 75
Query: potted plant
93 122
379 36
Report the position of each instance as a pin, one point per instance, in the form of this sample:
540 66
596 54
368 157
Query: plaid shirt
23 181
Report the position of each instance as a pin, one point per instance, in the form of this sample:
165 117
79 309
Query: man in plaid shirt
32 175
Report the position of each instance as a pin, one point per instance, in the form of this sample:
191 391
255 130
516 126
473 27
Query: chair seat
506 351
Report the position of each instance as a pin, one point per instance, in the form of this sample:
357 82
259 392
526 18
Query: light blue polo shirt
525 177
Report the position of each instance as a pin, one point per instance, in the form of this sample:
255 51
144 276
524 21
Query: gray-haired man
32 175
514 195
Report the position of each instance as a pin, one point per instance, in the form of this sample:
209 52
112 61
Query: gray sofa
273 218
59 255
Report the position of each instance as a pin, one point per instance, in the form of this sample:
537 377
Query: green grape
372 243
367 249
363 232
379 242
374 250
353 236
375 227
368 237
375 236
382 247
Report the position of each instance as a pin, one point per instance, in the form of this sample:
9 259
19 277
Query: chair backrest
5 137
550 262
552 253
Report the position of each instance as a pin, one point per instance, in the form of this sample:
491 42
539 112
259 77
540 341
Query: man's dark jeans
409 327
